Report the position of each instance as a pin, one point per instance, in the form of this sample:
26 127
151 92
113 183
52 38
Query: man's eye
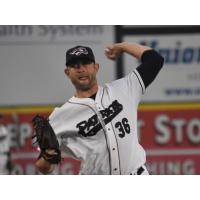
74 65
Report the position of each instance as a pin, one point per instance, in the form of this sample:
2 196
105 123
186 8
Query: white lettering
170 167
176 130
163 132
193 131
178 125
19 133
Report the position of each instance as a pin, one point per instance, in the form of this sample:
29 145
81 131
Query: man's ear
96 67
66 71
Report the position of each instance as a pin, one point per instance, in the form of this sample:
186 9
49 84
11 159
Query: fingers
51 151
109 52
113 51
107 49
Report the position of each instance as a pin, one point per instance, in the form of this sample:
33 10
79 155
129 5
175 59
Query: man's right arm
151 64
136 50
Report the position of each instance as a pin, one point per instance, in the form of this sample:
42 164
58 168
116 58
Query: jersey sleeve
53 119
56 124
151 64
131 86
60 127
136 82
135 86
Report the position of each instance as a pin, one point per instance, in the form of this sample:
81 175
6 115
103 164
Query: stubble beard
84 86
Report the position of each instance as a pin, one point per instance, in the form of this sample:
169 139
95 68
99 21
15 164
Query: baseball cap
78 54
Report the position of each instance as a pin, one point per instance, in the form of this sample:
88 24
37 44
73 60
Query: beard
85 85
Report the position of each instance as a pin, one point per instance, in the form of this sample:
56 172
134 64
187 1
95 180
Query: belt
139 171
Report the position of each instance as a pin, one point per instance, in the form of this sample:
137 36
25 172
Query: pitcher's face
83 76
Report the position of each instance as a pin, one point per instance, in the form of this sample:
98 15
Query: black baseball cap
78 54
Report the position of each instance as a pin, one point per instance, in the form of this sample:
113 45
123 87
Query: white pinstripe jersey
102 133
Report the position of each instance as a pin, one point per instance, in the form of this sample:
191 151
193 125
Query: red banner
173 164
171 138
170 129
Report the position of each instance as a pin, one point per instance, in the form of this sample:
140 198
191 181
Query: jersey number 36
123 127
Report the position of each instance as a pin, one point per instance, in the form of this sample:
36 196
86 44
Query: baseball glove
46 139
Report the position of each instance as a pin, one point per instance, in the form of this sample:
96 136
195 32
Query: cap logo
78 51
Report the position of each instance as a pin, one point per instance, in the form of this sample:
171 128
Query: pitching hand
114 51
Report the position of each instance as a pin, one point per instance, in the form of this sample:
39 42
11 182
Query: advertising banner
32 61
170 134
179 79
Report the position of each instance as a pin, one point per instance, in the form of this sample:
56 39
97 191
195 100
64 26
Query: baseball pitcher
98 125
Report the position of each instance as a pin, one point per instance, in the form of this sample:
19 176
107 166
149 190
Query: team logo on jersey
78 51
91 126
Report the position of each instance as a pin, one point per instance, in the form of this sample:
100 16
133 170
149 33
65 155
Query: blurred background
32 81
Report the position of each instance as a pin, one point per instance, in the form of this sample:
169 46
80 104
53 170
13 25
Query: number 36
123 127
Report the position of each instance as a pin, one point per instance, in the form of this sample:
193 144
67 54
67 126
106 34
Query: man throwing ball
98 125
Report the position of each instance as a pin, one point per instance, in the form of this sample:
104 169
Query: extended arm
151 61
135 50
